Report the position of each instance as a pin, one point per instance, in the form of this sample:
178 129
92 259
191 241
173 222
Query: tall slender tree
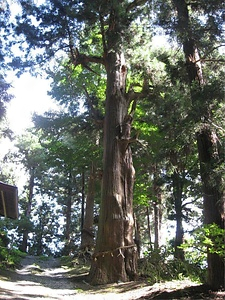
197 36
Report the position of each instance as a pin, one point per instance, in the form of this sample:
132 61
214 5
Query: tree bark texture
193 62
115 256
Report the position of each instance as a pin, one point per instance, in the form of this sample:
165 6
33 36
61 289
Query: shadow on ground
193 292
48 274
14 296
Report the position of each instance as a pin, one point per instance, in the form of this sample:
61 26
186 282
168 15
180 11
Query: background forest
175 92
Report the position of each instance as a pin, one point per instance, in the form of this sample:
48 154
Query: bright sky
30 96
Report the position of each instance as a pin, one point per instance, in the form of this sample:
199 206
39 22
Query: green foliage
9 257
209 237
141 194
159 265
24 224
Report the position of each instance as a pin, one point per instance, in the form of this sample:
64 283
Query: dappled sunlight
40 278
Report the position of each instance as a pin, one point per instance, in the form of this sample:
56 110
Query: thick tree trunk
87 234
116 254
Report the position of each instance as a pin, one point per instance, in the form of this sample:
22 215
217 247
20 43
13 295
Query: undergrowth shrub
160 265
9 257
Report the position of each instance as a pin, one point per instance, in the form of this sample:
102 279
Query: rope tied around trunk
112 252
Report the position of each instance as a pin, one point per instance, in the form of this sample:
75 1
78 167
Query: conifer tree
65 25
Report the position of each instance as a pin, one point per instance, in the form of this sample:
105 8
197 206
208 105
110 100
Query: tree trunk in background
137 237
157 208
156 225
207 144
213 197
87 234
149 227
23 246
68 195
115 257
177 193
82 201
39 235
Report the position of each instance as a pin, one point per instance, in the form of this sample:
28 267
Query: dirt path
47 279
36 279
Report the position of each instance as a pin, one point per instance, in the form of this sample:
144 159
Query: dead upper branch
78 58
146 90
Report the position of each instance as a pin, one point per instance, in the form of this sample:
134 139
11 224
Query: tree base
114 267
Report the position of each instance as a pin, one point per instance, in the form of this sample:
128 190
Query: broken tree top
8 200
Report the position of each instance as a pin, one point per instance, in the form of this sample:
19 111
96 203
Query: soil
45 278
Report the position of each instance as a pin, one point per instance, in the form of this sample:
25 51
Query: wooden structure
8 201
